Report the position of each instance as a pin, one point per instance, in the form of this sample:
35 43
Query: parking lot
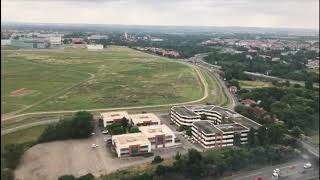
78 157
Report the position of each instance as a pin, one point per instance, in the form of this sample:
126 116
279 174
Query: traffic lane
266 173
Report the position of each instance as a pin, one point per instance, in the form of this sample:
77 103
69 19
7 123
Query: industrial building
29 43
158 135
210 135
144 119
112 117
131 144
186 115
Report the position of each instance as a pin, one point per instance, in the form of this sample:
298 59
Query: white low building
94 46
5 42
216 136
131 144
112 117
144 119
160 136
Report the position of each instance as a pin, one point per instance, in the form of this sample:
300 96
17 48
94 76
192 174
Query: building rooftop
114 115
184 111
234 127
154 130
246 122
207 127
126 140
146 117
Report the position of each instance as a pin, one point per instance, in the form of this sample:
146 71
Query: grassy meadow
114 77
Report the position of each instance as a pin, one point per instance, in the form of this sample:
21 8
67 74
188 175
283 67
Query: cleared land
254 84
115 77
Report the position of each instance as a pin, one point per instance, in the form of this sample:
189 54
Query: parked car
275 175
307 166
276 171
105 132
94 145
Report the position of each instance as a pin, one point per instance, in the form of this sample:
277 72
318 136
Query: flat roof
126 140
234 127
146 117
246 122
206 126
154 130
184 111
109 116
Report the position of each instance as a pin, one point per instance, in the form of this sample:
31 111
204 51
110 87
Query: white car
275 175
93 133
94 145
276 171
307 166
105 132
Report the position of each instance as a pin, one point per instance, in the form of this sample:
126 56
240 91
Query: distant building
275 59
144 119
216 136
312 64
5 42
131 144
29 43
94 46
249 102
113 117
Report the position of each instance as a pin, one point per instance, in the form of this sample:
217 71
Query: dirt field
21 92
48 161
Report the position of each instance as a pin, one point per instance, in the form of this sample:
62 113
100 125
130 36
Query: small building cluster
213 126
313 64
152 133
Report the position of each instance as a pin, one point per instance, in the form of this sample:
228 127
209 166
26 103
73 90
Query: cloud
262 13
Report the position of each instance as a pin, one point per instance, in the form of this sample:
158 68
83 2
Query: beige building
112 117
144 119
158 135
131 144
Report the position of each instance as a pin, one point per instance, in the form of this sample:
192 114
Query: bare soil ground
21 92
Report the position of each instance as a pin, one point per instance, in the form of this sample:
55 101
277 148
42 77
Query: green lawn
254 84
21 136
123 77
315 139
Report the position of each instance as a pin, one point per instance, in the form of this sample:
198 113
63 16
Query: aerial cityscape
159 91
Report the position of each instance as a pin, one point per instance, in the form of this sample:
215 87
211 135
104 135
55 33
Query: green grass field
22 136
114 77
254 84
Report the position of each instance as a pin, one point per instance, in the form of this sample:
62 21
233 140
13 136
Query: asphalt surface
289 171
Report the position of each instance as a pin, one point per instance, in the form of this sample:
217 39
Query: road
202 81
289 171
259 75
311 149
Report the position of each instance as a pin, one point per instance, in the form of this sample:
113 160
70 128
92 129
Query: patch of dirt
21 92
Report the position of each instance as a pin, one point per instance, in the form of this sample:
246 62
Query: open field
115 77
254 84
25 135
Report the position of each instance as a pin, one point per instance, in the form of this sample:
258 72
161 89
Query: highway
289 171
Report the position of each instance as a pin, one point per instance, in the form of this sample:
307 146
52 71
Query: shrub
7 174
12 154
157 159
67 177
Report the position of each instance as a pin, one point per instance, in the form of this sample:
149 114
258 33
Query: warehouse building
112 117
210 135
29 43
144 119
158 135
131 144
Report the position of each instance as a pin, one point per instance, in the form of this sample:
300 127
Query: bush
157 159
12 154
7 174
160 170
134 129
88 176
81 125
67 177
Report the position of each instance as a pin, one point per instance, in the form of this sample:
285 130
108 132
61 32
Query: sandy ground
48 161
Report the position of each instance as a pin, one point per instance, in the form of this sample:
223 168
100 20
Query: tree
194 156
124 123
251 137
157 159
67 177
100 122
88 176
189 132
7 174
296 132
134 129
287 83
13 154
237 139
262 135
177 157
160 170
82 124
308 84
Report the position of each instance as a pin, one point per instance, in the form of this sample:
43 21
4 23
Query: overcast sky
254 13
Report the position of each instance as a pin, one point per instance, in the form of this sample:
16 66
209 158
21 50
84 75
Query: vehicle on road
93 133
307 166
275 176
276 171
105 132
258 178
94 145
